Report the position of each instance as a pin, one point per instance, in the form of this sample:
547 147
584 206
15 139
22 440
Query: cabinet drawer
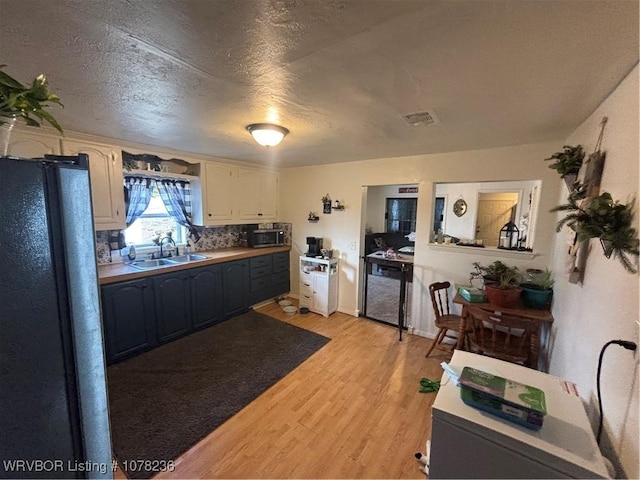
261 283
305 300
306 287
280 277
280 261
259 262
260 271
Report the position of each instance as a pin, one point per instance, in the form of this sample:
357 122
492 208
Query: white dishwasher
469 443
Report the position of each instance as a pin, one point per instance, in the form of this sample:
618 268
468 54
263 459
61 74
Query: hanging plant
568 163
604 219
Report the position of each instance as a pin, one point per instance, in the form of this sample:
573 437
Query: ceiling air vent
428 117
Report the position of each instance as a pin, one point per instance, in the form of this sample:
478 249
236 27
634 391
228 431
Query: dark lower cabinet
235 287
129 319
141 314
173 305
206 296
269 277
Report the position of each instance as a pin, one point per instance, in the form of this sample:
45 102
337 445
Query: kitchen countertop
120 272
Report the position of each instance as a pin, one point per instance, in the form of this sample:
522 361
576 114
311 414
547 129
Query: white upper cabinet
232 195
220 187
258 195
32 145
107 189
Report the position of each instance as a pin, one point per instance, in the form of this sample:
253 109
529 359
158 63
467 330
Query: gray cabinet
269 277
235 287
129 319
172 293
206 295
141 314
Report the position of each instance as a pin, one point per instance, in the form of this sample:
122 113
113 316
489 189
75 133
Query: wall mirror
488 207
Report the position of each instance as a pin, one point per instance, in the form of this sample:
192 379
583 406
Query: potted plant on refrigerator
28 103
537 291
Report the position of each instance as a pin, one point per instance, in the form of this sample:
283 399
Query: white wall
605 306
303 187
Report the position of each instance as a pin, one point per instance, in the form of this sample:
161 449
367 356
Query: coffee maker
315 245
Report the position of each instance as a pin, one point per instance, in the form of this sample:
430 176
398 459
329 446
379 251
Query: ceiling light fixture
267 134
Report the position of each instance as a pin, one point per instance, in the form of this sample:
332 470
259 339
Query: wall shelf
486 251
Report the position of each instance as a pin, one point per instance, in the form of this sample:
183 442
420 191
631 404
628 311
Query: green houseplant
538 292
568 163
26 102
607 220
502 283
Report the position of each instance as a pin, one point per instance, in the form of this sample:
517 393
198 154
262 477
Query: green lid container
513 401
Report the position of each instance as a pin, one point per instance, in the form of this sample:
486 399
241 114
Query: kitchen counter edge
121 272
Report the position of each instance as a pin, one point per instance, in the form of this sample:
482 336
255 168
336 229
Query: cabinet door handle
209 214
144 285
307 285
259 214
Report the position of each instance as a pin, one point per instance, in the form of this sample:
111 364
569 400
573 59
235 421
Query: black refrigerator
54 419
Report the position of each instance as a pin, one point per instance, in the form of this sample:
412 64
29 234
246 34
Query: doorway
390 217
494 211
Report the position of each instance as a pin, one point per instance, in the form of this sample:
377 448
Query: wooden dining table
539 317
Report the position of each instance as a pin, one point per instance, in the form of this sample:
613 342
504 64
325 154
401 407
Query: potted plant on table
25 102
537 292
502 283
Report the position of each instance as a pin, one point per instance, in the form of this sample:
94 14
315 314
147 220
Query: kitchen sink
147 264
190 257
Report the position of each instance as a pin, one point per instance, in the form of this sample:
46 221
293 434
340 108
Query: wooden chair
445 320
506 337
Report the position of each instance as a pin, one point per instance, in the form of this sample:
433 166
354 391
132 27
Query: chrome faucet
175 247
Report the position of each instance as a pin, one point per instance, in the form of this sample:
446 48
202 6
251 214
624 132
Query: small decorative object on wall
326 204
337 205
595 215
313 217
460 207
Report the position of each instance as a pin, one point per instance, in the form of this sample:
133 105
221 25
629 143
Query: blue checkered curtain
137 195
176 195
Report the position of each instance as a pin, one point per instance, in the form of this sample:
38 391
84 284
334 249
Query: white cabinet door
258 195
32 145
107 190
321 293
269 194
219 191
249 194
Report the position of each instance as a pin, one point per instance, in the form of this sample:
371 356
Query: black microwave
272 237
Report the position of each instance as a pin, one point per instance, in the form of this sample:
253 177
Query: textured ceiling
190 75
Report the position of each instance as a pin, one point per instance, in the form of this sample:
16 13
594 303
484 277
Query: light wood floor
352 410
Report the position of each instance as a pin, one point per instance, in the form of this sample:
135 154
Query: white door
494 211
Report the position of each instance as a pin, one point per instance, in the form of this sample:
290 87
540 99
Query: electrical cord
625 344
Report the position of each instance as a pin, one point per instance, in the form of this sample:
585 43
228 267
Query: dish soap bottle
131 255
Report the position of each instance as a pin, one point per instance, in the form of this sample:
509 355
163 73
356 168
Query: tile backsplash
211 239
